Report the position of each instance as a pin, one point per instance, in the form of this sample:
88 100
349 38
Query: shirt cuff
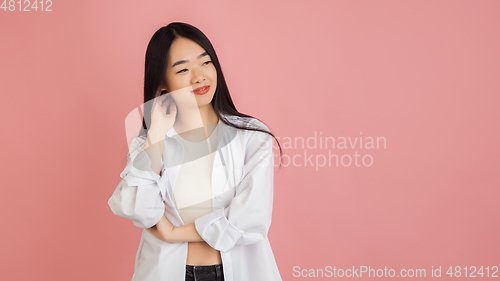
217 231
139 171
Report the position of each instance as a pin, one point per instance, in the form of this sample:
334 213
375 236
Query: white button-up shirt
242 188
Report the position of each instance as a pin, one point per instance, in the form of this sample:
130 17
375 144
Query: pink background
422 74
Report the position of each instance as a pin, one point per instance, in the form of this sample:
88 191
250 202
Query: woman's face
189 65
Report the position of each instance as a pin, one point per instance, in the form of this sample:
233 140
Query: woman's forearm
153 148
164 229
185 233
172 234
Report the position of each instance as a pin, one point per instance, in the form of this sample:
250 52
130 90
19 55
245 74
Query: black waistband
203 267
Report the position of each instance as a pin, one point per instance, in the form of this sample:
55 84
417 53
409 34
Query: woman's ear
162 89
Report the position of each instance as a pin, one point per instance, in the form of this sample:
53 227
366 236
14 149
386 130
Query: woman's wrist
154 136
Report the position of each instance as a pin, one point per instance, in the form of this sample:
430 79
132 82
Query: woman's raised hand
161 121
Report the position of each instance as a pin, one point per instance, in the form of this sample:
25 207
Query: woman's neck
195 120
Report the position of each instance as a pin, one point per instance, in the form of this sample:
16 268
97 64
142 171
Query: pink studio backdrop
422 76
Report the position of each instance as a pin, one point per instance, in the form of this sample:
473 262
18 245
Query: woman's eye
184 70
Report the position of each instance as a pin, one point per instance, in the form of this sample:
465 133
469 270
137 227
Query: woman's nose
197 76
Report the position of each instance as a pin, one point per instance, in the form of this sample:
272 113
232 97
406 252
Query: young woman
199 177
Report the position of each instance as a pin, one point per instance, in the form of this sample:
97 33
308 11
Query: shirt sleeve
138 196
248 218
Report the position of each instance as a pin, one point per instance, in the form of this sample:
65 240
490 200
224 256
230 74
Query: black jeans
204 272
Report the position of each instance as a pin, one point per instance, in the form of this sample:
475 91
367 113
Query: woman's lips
201 90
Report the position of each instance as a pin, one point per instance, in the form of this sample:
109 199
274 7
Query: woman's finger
172 107
164 98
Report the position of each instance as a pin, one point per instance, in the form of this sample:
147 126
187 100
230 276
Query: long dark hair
155 71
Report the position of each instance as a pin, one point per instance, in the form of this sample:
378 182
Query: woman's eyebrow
185 61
